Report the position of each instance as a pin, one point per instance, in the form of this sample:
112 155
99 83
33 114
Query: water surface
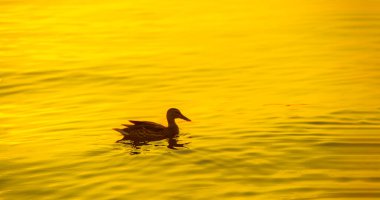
283 96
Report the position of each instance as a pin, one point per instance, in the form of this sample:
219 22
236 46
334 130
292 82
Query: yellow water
284 98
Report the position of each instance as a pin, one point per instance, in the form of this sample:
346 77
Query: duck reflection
172 143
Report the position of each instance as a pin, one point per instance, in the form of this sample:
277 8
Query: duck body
151 131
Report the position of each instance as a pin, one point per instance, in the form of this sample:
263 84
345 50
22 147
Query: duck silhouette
144 131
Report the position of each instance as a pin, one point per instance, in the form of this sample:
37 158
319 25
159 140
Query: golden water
284 98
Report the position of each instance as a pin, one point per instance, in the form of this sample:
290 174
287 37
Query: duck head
174 113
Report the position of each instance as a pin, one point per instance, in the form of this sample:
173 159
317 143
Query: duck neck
172 126
171 122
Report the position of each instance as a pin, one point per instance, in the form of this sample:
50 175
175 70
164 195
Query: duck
151 131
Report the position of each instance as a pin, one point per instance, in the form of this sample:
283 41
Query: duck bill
185 118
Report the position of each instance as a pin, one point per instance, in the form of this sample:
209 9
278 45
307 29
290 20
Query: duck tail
122 131
128 125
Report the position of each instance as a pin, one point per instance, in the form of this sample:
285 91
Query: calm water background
284 98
